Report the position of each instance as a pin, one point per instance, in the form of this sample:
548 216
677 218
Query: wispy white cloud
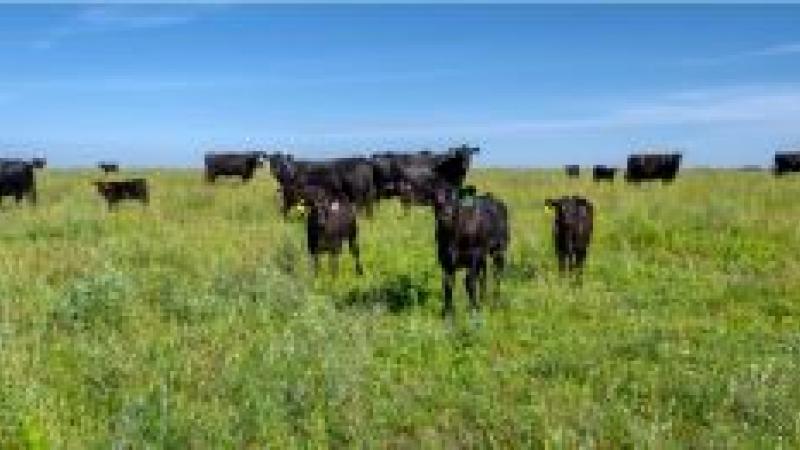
744 105
785 49
100 19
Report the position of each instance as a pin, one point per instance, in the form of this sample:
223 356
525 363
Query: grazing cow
786 162
644 167
116 191
603 173
573 170
108 167
234 164
331 220
572 230
469 228
39 163
17 179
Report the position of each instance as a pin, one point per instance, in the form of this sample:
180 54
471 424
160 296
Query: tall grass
196 323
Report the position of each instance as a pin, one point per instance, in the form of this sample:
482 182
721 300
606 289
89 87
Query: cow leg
482 279
356 252
562 262
32 196
470 281
17 197
210 177
499 264
448 278
333 263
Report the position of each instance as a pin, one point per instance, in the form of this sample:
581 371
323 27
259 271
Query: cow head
103 187
568 210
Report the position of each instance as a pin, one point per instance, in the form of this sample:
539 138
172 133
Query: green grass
196 323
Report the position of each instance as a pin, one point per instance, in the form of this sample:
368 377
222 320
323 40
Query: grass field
196 323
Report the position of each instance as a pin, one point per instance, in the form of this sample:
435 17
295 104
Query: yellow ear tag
547 208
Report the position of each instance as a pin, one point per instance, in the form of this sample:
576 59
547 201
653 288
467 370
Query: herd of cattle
470 228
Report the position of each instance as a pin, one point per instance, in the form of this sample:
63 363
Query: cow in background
116 191
645 167
232 164
18 180
603 173
786 162
39 163
108 167
572 170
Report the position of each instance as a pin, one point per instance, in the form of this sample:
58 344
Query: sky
532 85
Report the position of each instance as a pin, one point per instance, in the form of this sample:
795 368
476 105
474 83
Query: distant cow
235 164
108 167
17 179
644 167
572 230
469 228
603 173
116 191
786 162
573 170
330 221
39 163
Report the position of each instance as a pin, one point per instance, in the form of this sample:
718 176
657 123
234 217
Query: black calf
468 229
331 220
572 230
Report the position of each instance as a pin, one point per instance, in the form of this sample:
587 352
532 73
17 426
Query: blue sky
532 85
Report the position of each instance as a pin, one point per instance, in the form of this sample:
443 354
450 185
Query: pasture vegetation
196 322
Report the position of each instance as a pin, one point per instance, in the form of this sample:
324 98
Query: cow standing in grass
39 163
786 162
108 167
573 170
331 220
350 178
469 228
116 191
603 173
233 164
647 167
572 230
18 180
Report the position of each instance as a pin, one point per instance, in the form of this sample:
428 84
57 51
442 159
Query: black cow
603 173
118 190
350 178
572 230
572 170
786 162
39 163
414 176
234 164
469 228
108 167
330 221
17 179
644 167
